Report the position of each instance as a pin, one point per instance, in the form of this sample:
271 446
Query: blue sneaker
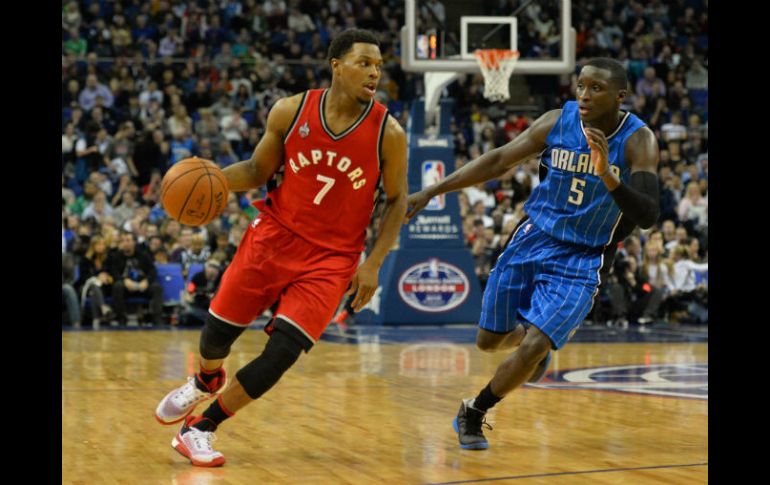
467 425
541 368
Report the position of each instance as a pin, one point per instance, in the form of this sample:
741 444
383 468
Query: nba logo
433 173
433 268
423 47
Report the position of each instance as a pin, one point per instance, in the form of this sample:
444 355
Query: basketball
194 191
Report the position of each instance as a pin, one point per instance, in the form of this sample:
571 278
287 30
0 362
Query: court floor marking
538 475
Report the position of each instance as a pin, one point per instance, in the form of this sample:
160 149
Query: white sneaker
179 403
195 445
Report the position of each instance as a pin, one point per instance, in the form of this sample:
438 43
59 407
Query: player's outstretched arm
640 200
491 164
364 283
268 155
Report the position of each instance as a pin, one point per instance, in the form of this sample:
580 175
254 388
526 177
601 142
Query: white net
496 66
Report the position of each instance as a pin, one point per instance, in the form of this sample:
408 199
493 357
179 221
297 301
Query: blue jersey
572 204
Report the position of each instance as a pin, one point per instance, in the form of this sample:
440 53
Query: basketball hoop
497 66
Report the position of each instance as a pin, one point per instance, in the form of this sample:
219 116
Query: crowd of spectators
148 83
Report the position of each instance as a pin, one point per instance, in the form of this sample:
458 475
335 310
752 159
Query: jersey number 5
576 192
328 183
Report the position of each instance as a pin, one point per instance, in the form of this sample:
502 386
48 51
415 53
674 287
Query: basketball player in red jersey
324 153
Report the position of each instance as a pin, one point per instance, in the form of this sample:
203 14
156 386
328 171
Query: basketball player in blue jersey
600 182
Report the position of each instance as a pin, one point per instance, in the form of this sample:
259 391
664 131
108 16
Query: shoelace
484 423
204 437
187 393
474 424
481 424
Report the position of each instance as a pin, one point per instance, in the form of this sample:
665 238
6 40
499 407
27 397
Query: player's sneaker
180 402
467 425
541 368
195 444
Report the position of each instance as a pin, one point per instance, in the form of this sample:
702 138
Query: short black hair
344 42
618 75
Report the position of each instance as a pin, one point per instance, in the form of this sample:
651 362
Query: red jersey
330 180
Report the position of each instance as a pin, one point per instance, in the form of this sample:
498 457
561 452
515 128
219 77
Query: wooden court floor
380 413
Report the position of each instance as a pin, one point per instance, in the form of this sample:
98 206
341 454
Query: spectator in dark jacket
134 273
199 293
631 295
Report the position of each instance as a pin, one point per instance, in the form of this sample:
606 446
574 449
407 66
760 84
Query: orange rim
490 58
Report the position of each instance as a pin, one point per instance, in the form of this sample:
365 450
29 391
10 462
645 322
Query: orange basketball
194 191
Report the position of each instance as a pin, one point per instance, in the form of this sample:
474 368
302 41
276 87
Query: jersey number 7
328 183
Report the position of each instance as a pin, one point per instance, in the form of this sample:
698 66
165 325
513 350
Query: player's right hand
597 141
415 203
363 285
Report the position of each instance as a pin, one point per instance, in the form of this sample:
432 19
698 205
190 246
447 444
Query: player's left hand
599 149
415 203
363 284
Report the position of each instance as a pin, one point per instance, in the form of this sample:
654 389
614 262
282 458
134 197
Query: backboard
441 35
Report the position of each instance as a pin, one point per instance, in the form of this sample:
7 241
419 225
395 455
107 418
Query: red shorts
272 264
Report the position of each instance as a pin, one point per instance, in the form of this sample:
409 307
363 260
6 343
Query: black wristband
639 201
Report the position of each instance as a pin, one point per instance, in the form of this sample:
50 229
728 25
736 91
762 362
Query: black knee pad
259 375
217 338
